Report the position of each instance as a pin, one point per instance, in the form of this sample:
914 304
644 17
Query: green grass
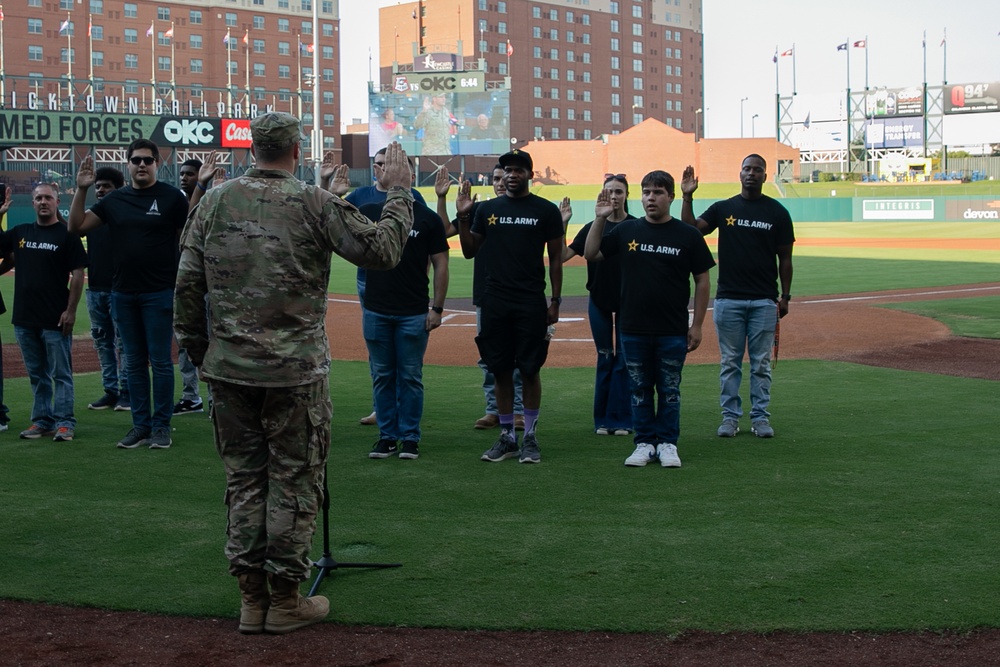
977 317
890 528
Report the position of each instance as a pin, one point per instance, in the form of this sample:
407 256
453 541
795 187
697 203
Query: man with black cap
258 248
515 317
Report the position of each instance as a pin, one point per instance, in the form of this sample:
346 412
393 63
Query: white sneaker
668 456
642 455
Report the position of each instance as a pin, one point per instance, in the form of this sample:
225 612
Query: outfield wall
972 208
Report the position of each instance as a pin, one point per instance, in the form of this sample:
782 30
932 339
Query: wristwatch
437 309
557 300
786 297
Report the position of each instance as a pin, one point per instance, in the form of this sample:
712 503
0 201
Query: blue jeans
655 363
396 346
108 343
490 382
49 363
745 326
145 320
611 392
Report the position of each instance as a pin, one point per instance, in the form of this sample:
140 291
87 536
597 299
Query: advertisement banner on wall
894 132
980 97
973 209
897 209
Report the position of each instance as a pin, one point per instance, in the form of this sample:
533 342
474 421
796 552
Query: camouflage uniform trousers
274 442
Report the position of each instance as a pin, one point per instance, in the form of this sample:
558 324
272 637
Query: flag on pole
226 39
808 121
860 44
169 33
787 53
510 49
246 37
1 13
774 58
305 48
842 47
64 26
149 33
90 27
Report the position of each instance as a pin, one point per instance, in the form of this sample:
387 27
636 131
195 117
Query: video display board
441 122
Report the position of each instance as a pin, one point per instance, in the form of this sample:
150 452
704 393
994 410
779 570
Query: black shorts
512 334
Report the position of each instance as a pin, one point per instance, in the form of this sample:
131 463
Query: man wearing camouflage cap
258 248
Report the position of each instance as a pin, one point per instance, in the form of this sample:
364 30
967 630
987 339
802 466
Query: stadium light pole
697 122
741 115
753 125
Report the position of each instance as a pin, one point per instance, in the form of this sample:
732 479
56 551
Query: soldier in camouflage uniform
259 249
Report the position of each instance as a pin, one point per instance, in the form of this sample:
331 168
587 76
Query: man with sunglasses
145 219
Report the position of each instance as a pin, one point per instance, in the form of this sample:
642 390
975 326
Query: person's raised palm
689 182
603 208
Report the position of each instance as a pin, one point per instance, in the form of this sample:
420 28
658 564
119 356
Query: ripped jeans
654 364
612 409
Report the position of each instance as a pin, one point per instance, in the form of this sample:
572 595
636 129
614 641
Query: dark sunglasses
146 160
620 177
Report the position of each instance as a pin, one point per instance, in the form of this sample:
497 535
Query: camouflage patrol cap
275 130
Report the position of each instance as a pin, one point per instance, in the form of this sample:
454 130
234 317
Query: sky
740 42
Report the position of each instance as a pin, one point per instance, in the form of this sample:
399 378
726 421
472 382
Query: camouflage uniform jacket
259 248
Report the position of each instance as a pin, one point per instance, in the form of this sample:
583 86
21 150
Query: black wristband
557 300
786 297
203 188
437 309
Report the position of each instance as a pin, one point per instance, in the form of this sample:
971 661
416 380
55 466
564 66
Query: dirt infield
846 328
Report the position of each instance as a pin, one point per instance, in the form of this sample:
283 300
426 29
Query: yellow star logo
632 246
492 219
21 244
730 221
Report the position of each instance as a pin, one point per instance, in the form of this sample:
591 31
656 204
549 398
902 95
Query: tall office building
577 69
214 58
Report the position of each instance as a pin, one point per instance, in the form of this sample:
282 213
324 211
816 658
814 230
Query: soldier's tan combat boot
289 610
256 600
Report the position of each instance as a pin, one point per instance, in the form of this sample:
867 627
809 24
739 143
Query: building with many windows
577 69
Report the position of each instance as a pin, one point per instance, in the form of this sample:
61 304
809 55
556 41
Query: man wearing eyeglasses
145 219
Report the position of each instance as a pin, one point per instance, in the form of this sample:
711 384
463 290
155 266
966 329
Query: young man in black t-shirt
145 219
660 255
514 232
45 255
104 331
755 253
397 319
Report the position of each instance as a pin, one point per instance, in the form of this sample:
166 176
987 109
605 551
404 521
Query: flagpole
866 62
924 87
794 86
152 63
90 42
298 60
246 43
173 67
229 72
3 76
69 59
944 71
925 61
777 99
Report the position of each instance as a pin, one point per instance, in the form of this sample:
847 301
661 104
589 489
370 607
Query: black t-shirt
604 279
657 262
43 259
750 232
100 260
144 226
515 233
403 290
478 268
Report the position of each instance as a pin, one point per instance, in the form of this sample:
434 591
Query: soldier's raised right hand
397 168
85 176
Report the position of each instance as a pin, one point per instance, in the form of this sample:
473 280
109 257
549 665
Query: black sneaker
504 448
186 407
109 400
529 450
409 450
134 438
160 439
123 405
383 449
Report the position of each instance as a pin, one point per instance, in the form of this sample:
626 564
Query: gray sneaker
504 448
160 439
762 429
729 428
134 438
529 450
